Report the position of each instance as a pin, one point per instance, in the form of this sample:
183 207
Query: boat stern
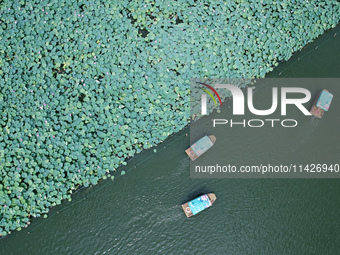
187 210
192 155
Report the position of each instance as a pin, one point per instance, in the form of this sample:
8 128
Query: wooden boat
321 103
201 146
198 204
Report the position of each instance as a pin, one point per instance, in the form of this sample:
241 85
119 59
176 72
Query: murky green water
140 212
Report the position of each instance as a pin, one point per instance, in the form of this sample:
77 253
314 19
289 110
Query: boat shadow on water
197 193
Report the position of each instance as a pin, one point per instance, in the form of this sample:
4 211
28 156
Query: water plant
84 85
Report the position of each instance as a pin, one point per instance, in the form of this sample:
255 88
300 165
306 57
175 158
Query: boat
321 103
201 146
198 204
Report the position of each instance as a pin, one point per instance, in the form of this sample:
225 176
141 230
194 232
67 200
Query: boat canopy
324 100
202 145
199 204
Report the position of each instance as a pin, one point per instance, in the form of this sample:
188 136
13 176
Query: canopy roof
199 204
202 145
324 100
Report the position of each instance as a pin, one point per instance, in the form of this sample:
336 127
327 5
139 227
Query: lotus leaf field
84 85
